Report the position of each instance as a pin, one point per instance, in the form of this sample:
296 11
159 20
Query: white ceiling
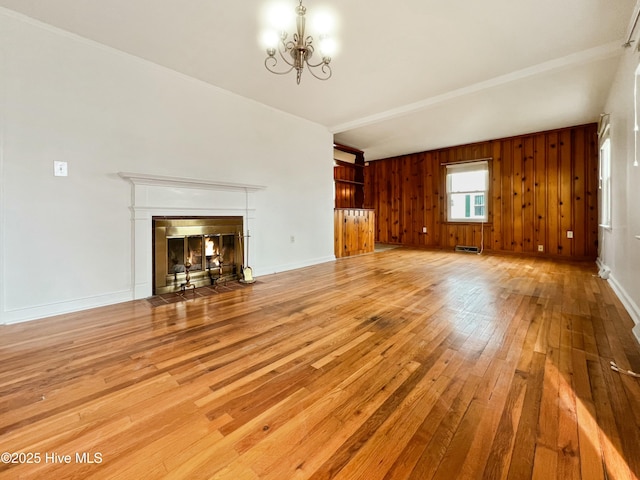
409 75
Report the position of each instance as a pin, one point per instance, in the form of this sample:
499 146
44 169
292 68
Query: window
635 117
478 203
604 185
467 192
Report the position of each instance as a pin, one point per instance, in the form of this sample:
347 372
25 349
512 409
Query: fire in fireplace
208 249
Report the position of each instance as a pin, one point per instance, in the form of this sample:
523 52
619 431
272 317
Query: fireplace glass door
194 256
210 248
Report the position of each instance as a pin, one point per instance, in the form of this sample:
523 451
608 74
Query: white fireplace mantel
160 180
156 195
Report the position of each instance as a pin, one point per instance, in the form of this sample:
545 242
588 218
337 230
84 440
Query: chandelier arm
309 48
275 63
273 60
321 62
288 47
325 68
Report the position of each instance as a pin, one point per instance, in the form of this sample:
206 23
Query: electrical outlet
541 248
569 233
424 229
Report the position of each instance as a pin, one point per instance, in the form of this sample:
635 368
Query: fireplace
161 197
207 249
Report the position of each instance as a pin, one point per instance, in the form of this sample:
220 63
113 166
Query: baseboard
60 308
628 303
269 270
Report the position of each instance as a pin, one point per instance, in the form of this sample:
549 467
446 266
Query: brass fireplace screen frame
211 245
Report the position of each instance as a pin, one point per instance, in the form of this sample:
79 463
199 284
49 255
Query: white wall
619 249
66 242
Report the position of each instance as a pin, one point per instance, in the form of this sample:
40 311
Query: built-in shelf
348 177
347 164
352 182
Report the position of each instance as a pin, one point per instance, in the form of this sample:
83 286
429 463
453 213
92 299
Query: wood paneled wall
541 186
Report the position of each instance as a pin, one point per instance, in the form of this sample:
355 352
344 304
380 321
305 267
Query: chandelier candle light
298 52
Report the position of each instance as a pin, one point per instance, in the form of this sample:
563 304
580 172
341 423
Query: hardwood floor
401 364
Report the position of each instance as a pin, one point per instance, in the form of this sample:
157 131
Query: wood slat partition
541 186
354 231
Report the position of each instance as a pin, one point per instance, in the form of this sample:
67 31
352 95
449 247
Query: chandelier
299 51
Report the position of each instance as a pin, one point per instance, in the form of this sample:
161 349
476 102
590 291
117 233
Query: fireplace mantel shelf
146 179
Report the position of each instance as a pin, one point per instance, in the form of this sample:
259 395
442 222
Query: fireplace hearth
207 249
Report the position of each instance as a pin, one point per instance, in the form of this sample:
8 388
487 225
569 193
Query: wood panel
542 186
539 181
434 219
507 193
528 198
495 204
518 195
580 213
354 231
553 194
430 365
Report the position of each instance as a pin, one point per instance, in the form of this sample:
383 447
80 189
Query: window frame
604 177
464 167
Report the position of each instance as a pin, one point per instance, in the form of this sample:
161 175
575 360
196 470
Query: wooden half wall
541 186
353 231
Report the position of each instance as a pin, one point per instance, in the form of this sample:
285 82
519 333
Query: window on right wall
468 192
604 183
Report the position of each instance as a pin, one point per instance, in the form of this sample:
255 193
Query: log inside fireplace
211 245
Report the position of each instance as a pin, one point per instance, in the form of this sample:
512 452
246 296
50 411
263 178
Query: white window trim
635 116
604 175
461 168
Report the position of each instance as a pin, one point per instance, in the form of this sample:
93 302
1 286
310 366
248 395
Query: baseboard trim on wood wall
506 253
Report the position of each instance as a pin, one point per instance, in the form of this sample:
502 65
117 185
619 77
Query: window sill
467 222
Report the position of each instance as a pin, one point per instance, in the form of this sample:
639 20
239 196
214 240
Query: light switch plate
60 169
